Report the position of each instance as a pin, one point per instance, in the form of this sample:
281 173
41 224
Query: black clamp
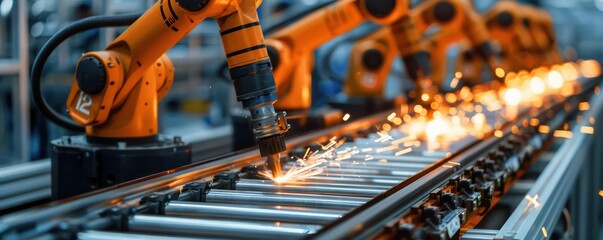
197 190
226 180
119 217
156 202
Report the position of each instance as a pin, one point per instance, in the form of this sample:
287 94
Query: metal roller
354 179
332 189
216 228
102 235
285 199
251 212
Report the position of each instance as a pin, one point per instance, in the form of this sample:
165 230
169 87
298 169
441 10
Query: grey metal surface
285 199
216 228
479 234
306 187
252 212
355 179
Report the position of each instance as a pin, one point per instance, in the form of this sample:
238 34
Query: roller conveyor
223 198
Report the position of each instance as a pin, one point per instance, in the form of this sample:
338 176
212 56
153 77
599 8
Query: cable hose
63 34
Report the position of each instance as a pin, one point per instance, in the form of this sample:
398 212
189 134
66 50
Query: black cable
63 34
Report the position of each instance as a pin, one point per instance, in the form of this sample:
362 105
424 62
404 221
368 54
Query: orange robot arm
291 49
456 18
507 25
541 29
115 92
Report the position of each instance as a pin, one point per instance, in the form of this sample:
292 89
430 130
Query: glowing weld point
346 117
533 200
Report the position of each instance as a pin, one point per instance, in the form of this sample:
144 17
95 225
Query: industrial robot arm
291 48
115 92
543 34
457 20
508 27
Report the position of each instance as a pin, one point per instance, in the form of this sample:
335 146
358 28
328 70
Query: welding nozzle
274 163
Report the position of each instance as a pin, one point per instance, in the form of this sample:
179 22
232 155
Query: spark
583 106
367 150
368 158
306 154
386 127
544 233
555 80
544 129
600 193
397 121
458 75
562 134
403 151
533 200
498 133
404 139
499 72
537 85
425 97
512 96
346 117
591 120
587 130
391 116
383 137
388 148
534 122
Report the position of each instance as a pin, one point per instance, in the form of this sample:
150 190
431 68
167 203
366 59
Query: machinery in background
372 56
508 27
115 94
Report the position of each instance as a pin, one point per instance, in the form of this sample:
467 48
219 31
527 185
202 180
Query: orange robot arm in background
543 34
457 20
115 92
507 24
291 49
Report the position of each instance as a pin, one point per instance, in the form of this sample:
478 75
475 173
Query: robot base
79 166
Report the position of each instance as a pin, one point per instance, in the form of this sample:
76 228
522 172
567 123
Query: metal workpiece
285 199
374 165
363 171
217 228
252 212
374 181
316 188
